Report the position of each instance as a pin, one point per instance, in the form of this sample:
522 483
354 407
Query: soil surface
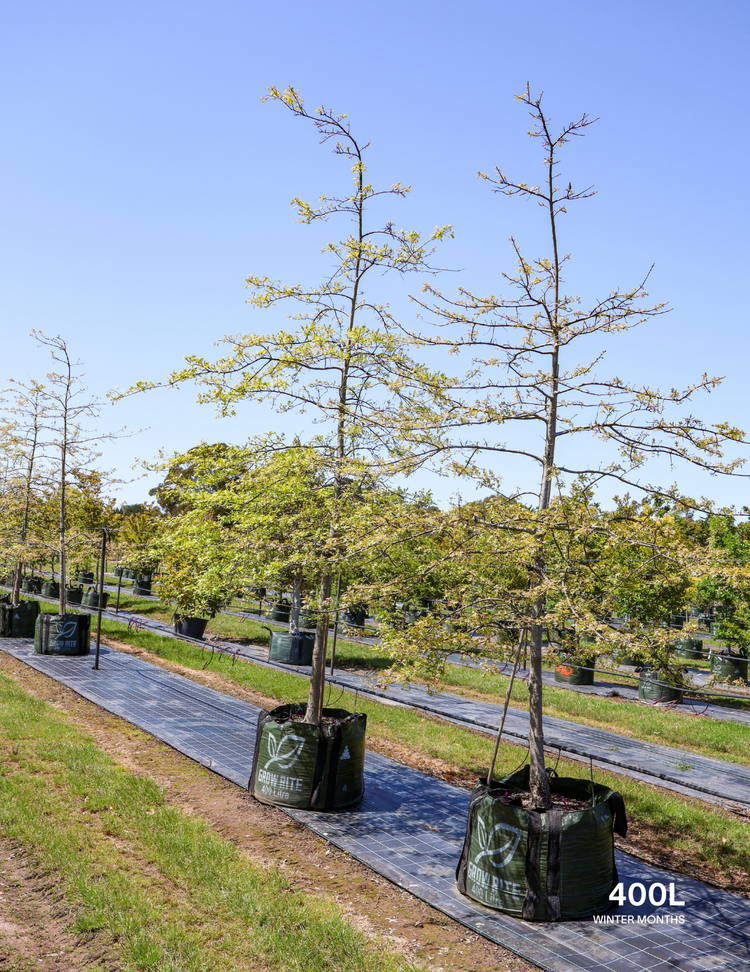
34 919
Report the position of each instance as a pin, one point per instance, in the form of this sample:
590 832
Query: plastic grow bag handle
619 818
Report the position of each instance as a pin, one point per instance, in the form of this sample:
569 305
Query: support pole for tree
101 598
119 585
335 623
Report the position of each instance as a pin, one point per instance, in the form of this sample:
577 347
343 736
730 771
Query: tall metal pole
336 623
101 598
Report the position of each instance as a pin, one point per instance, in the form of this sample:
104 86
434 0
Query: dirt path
33 919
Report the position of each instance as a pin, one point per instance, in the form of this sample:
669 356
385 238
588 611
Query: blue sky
143 180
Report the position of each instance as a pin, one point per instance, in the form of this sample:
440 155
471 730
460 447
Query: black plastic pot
691 648
567 671
554 865
63 634
91 598
728 666
51 588
73 595
292 649
190 627
18 621
317 767
280 612
654 687
354 617
141 587
85 577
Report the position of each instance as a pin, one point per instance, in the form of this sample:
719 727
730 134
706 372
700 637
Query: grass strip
160 886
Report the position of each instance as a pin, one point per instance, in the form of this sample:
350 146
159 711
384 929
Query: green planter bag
281 612
317 767
63 634
91 598
51 589
728 666
292 649
689 648
551 866
653 687
19 621
73 595
567 671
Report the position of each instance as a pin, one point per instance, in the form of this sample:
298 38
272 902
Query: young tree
344 358
524 375
22 433
69 444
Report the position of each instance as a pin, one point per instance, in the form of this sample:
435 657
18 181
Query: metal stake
101 598
335 623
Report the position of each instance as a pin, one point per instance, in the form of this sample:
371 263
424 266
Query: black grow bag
63 634
550 866
292 649
728 666
654 687
190 627
691 648
51 588
31 585
18 621
281 612
85 577
317 767
73 595
567 671
91 598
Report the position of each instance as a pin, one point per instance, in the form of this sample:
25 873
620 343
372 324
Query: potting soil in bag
320 767
550 866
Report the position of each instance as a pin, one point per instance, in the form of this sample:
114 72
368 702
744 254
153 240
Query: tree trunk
16 596
317 682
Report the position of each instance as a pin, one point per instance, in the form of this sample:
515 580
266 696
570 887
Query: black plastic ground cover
410 828
715 781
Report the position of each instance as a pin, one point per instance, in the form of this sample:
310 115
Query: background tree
69 441
24 452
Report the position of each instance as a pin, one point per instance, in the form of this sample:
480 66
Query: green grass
156 885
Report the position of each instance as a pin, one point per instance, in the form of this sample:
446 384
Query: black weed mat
409 828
